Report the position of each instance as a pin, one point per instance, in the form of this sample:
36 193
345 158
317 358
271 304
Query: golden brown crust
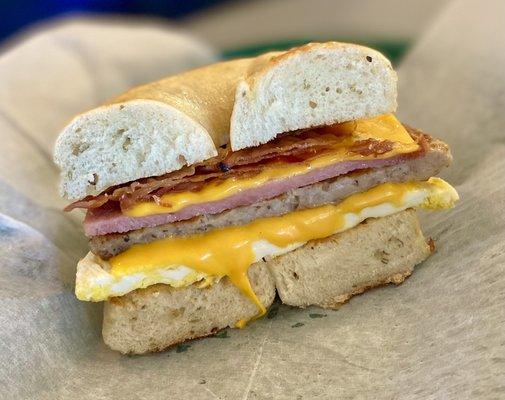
397 279
263 64
205 94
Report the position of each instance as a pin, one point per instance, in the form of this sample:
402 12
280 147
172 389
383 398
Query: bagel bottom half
324 273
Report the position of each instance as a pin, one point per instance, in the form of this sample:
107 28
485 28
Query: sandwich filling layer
230 251
251 175
435 156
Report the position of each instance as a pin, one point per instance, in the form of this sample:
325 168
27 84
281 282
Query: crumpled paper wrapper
440 335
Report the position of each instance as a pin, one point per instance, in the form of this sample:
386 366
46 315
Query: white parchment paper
440 335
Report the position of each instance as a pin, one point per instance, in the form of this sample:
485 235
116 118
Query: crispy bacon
368 147
286 145
140 189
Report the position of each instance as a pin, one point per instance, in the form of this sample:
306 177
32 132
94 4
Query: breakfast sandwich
209 192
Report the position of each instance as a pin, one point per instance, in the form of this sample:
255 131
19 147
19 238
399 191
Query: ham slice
109 219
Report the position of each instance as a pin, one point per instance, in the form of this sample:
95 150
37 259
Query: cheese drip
230 251
384 127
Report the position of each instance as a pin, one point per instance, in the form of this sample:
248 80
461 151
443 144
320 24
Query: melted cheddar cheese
384 127
230 251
